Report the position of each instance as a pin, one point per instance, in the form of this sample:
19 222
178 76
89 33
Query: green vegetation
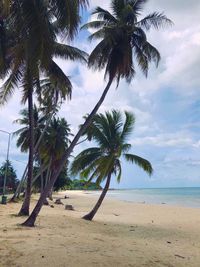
30 34
82 185
11 182
100 163
29 44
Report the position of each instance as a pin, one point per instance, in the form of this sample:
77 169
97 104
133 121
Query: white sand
122 234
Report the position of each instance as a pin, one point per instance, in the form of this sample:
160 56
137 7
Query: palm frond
58 77
128 125
126 147
141 162
104 15
117 7
137 5
96 24
119 169
69 52
97 35
9 85
156 20
85 159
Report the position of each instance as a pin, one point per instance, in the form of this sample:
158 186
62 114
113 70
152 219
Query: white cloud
104 4
164 140
178 70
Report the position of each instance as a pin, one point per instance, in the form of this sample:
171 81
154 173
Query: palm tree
50 98
28 47
56 142
12 181
23 133
122 41
101 162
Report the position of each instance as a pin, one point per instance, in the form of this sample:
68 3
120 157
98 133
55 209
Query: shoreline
96 193
124 234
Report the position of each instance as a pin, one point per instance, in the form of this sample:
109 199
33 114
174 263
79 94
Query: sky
166 104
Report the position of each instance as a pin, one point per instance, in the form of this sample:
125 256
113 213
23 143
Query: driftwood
179 256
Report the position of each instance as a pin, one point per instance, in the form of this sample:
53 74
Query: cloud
103 4
166 104
164 140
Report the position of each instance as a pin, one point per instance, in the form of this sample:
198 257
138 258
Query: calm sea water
187 196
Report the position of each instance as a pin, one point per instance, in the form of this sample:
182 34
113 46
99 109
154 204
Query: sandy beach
122 234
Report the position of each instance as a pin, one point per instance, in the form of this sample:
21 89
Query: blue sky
166 104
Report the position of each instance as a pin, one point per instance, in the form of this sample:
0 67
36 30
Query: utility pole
4 199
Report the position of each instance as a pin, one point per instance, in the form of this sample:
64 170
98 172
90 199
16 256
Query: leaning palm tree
28 45
103 161
123 43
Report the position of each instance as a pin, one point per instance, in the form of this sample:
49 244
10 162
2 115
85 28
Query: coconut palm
49 97
23 133
56 141
103 161
123 42
30 44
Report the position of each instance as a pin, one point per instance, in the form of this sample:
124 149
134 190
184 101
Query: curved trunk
32 218
92 213
26 203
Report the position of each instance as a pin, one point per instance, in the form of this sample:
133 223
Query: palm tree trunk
55 173
26 203
19 187
18 190
92 213
50 194
41 177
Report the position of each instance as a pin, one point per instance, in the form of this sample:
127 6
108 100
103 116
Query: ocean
185 196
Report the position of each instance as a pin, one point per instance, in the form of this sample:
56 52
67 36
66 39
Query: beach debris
163 203
52 206
152 221
66 197
69 207
169 242
179 256
58 201
115 214
133 226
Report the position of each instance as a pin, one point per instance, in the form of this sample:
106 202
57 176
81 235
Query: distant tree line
7 170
